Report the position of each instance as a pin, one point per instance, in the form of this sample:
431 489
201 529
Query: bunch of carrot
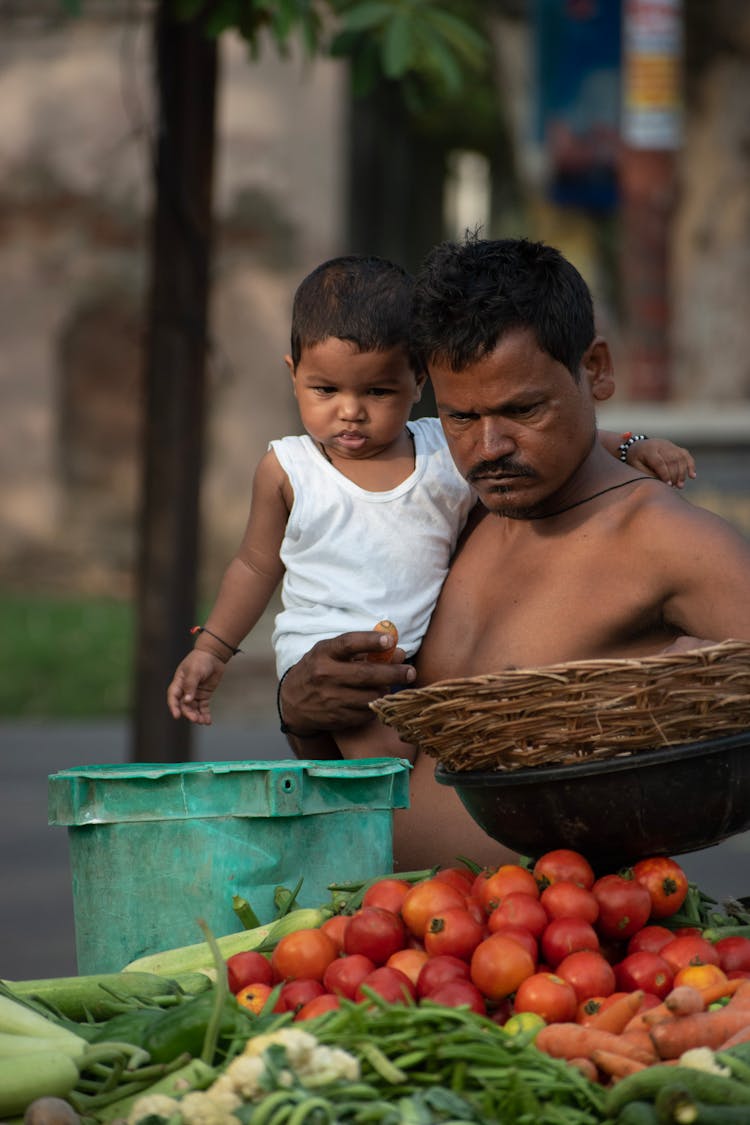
623 1039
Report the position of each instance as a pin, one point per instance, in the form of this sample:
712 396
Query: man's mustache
502 467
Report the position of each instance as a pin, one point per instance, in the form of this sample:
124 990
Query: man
572 554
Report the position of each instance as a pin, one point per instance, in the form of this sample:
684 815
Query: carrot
704 1029
640 1041
616 1066
618 1014
684 1000
586 1067
573 1040
719 991
741 996
737 1037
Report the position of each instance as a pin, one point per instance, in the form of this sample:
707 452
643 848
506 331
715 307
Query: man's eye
524 410
456 416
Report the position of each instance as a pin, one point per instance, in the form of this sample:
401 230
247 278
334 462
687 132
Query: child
360 515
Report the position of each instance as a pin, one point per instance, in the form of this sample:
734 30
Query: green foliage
65 658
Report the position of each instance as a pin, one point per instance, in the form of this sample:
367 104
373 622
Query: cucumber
38 1074
711 1089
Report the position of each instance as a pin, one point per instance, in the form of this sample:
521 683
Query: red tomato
336 928
295 993
738 974
666 883
688 931
345 974
393 985
563 865
524 937
498 965
375 932
690 950
588 973
508 878
651 939
388 894
460 878
647 971
438 971
453 931
316 1007
426 899
254 996
248 968
569 900
519 909
734 953
457 994
305 953
567 935
548 995
624 906
409 961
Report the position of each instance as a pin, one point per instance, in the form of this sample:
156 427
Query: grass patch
65 658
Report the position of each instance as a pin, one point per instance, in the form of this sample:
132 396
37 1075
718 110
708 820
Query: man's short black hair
469 295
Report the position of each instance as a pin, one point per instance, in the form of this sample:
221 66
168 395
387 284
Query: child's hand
193 684
663 459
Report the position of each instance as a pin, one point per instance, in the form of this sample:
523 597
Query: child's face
356 404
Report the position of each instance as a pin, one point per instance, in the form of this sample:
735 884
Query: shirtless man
572 555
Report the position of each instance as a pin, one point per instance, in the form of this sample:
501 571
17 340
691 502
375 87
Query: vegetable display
534 992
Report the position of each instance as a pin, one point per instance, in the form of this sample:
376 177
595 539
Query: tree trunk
186 73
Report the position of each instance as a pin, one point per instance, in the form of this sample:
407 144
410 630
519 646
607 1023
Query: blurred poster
578 70
652 78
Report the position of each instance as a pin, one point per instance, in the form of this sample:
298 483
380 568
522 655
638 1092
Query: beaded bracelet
282 725
202 629
629 439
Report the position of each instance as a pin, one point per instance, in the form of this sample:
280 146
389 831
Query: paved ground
36 915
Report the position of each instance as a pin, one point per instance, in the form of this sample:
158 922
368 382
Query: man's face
517 423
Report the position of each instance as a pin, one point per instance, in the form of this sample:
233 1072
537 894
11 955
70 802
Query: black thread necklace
612 487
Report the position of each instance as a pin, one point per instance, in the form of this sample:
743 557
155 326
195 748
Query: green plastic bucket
154 847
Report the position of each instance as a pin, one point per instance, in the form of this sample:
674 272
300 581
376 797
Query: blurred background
168 174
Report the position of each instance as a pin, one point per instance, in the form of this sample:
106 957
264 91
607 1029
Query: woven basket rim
699 657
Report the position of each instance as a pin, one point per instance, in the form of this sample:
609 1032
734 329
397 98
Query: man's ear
597 368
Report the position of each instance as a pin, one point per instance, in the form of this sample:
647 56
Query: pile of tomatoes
551 939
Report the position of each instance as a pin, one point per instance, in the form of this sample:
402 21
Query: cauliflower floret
202 1107
299 1045
242 1077
327 1064
703 1058
153 1105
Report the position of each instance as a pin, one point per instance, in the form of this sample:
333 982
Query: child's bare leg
373 740
436 828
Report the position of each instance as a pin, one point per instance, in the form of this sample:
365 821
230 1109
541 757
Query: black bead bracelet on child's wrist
202 629
282 725
626 440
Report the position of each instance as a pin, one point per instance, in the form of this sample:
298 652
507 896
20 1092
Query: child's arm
246 589
657 456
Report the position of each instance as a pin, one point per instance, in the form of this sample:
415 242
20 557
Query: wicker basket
564 713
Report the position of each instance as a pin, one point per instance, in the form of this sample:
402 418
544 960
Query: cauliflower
153 1105
703 1058
203 1108
306 1060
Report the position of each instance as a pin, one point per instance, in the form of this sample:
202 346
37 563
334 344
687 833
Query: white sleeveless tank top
354 557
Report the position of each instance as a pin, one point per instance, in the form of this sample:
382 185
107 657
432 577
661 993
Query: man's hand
332 685
193 684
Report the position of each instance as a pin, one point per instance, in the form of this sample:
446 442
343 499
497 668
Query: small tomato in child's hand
385 655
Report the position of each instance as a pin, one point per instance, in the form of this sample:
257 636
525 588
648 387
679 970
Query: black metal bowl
616 811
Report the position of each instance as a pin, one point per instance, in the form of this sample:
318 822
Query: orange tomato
426 899
409 961
508 878
498 965
306 953
700 976
548 996
254 996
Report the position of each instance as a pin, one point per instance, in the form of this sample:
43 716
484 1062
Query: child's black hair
364 299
